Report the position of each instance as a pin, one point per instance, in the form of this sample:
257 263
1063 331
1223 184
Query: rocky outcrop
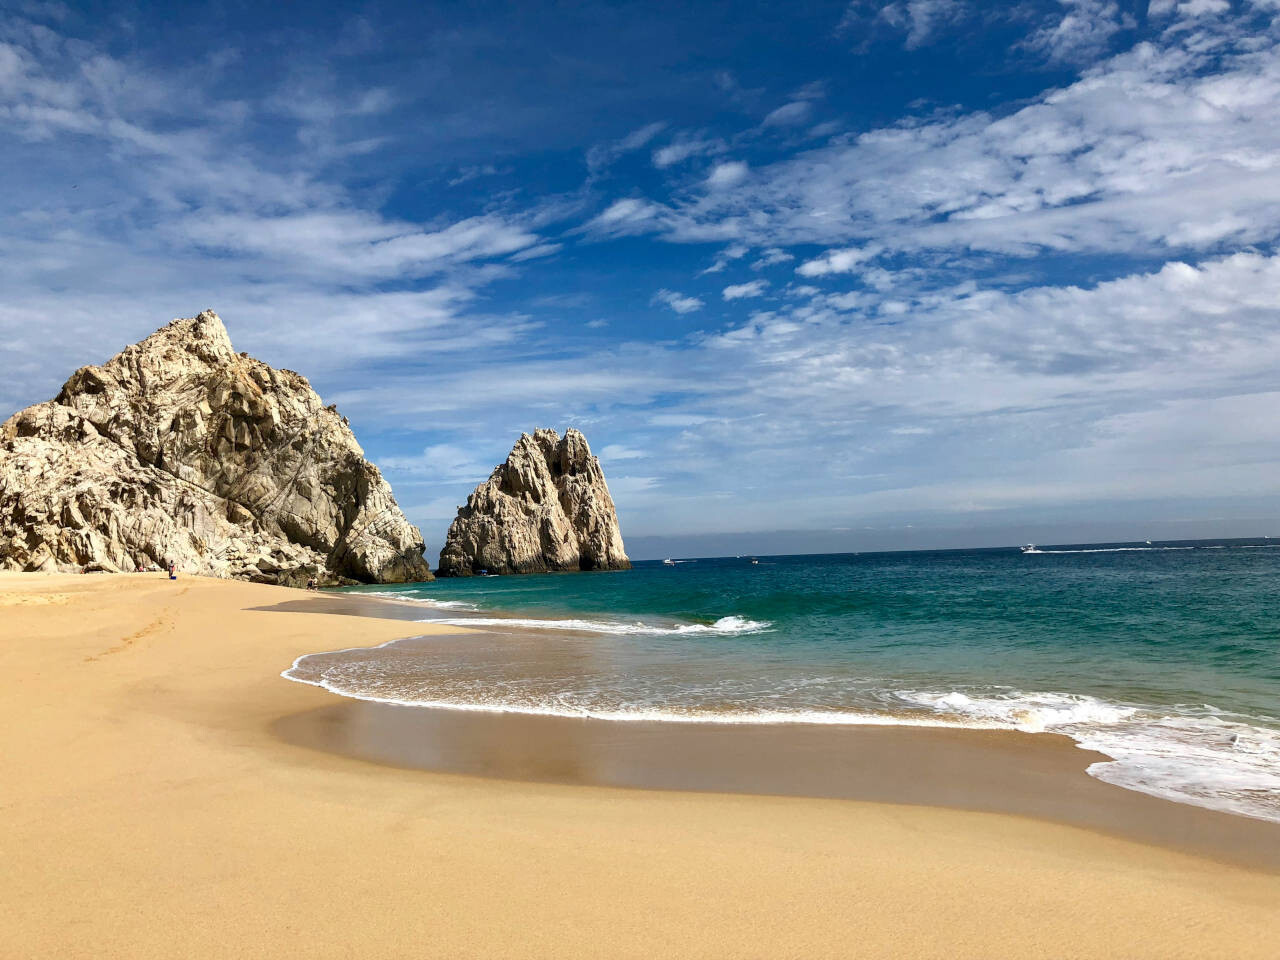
546 508
178 449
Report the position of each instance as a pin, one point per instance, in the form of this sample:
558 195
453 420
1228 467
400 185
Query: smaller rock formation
547 508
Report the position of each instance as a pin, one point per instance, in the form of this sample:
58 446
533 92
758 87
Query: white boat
668 562
1029 548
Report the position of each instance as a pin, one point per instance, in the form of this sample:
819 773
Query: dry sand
149 808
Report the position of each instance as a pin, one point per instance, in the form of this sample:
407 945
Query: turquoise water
1165 658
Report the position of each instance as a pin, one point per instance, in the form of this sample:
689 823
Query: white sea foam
425 601
301 672
727 626
1031 713
1224 763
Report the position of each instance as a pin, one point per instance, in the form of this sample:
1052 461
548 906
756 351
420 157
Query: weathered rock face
546 508
178 449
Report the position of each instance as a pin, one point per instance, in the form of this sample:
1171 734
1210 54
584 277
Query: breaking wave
728 626
425 601
1189 754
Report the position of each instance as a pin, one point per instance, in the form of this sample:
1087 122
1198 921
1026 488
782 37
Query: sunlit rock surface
546 508
179 449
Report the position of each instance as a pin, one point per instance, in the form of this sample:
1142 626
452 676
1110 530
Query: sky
808 275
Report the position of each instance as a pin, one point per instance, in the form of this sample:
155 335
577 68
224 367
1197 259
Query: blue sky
870 274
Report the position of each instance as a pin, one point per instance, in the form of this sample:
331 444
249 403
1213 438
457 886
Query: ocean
1164 657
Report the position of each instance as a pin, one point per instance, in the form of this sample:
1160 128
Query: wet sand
149 807
1032 775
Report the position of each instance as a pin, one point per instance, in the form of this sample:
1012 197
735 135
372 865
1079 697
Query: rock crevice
546 508
179 449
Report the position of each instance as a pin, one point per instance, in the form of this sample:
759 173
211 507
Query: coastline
153 809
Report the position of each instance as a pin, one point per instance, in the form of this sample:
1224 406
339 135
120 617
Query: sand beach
164 792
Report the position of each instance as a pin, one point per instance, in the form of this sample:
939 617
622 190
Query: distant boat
754 560
1147 542
1029 548
668 562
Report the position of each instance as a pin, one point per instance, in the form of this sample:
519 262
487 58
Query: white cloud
789 114
536 252
682 148
771 257
735 251
440 463
353 243
837 261
677 301
1189 8
727 174
629 486
624 215
618 451
740 291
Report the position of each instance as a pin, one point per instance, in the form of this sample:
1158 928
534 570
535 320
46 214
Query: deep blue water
1166 658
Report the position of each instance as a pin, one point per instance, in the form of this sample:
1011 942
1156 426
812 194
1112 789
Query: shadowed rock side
547 508
180 449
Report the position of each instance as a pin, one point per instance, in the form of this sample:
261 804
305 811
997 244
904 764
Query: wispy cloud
771 257
919 22
741 291
789 114
618 451
677 301
684 147
601 156
735 251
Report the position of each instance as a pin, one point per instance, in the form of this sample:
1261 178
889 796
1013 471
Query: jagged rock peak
180 449
545 508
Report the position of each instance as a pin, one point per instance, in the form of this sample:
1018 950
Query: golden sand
147 809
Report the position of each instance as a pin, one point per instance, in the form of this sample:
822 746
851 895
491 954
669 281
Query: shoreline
1039 775
406 737
152 809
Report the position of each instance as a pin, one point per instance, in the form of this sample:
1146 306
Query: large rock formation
546 508
178 449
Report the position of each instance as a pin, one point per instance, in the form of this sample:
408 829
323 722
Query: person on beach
311 584
173 570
